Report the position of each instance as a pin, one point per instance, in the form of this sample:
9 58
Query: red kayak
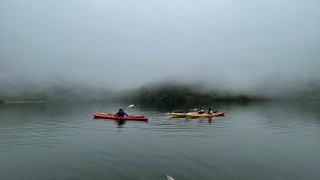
125 118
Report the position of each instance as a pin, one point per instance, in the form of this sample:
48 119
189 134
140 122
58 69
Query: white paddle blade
131 105
169 178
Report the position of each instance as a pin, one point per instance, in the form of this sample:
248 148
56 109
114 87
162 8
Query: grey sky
129 43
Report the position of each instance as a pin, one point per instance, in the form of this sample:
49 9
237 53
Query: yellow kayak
194 115
180 115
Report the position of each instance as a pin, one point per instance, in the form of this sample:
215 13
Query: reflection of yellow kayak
195 115
180 115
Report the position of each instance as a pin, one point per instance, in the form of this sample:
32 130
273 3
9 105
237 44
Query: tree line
183 92
146 93
150 92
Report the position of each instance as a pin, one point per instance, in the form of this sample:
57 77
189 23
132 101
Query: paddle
129 106
169 178
101 113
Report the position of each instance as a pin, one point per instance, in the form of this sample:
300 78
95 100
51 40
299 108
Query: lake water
253 141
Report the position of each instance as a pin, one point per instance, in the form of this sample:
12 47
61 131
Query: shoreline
12 102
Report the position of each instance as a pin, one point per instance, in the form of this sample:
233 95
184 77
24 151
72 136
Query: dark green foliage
185 92
161 92
156 92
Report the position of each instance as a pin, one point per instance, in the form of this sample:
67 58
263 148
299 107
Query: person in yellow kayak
121 113
178 110
200 111
209 111
197 109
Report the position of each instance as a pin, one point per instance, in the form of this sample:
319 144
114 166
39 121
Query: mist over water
160 55
270 49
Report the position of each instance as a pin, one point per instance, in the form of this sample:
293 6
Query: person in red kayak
121 113
209 111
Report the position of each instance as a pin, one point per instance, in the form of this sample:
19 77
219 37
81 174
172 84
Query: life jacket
121 113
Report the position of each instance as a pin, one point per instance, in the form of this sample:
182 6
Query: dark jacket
121 114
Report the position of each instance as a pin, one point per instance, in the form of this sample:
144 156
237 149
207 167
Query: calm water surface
265 140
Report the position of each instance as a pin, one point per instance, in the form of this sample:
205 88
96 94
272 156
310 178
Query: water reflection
201 120
120 123
280 140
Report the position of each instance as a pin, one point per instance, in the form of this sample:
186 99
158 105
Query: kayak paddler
121 113
200 111
178 111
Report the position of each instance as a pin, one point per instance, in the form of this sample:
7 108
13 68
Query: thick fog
237 45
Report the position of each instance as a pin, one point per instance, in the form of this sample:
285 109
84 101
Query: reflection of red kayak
125 118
